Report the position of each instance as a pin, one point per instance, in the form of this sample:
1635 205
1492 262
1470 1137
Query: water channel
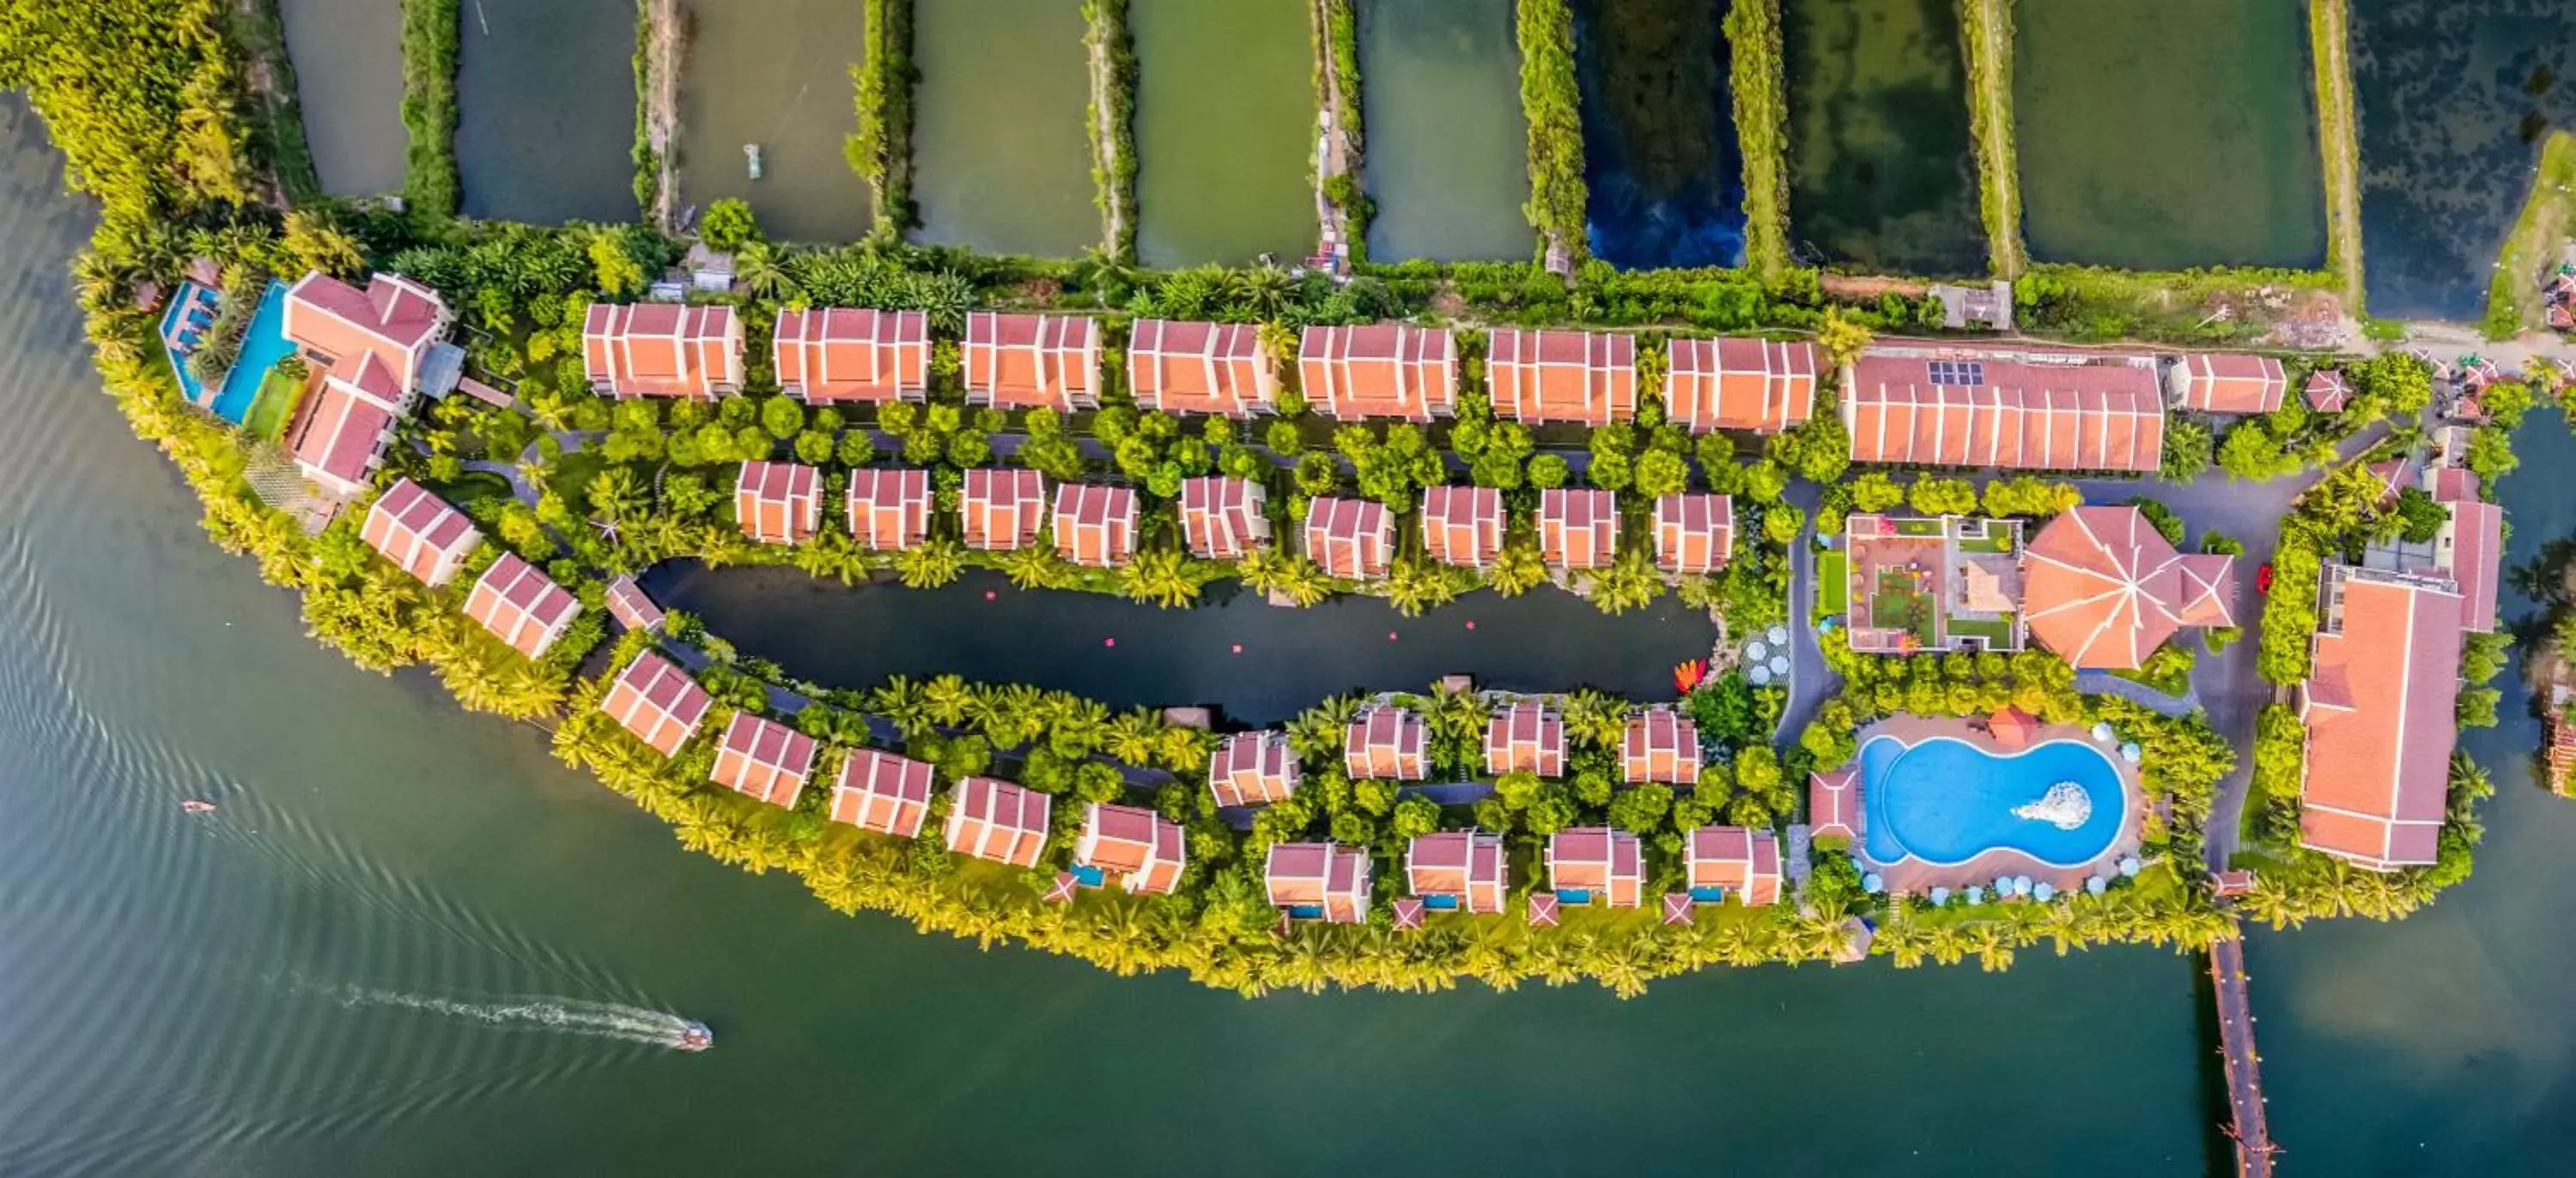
349 85
775 73
545 96
2169 135
1225 131
2453 99
1448 150
1882 173
1659 153
1001 160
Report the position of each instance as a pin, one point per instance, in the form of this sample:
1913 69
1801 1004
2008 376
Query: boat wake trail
570 1016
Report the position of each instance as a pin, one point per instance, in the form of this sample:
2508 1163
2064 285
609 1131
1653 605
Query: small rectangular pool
263 345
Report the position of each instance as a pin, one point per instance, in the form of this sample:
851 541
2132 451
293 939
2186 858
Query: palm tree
1035 566
757 265
948 700
1133 737
1161 576
1594 717
899 701
1458 714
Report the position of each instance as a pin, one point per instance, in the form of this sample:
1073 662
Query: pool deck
1915 877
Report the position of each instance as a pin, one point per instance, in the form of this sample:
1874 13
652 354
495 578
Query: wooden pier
2253 1137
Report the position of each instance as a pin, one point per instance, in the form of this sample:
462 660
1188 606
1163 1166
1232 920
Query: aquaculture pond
1127 654
1659 150
1882 172
545 95
1225 131
2454 97
2168 135
1001 160
348 87
1448 150
773 74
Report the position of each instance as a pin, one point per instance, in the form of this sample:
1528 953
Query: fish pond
2454 97
1260 663
1882 171
1225 131
1001 160
348 90
1448 150
2168 135
1659 148
545 96
775 74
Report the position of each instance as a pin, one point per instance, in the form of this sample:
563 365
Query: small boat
751 158
695 1037
194 806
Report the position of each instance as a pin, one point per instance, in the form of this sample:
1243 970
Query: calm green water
2168 135
545 96
775 73
1001 160
1882 172
1225 131
348 83
1448 150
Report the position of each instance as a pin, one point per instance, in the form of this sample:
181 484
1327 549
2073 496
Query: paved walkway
2106 683
1811 682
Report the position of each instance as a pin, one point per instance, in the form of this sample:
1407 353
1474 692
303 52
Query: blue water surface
263 345
1945 801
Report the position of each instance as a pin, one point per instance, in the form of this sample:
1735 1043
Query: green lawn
571 474
473 485
1918 527
274 407
1997 632
1995 541
1833 583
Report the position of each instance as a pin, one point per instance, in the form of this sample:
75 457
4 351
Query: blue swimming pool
1945 801
262 347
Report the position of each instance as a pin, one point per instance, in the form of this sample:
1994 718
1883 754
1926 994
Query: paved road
1811 682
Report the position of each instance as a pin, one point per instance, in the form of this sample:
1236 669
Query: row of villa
1095 525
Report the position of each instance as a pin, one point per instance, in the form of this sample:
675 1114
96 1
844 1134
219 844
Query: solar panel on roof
1958 374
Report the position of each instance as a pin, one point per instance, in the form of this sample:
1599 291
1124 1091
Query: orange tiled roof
2224 382
420 533
628 604
1138 849
1526 737
1379 370
1386 741
764 759
997 821
1222 518
1578 529
1741 383
1462 525
1002 509
1958 407
889 509
1465 864
2378 706
1095 525
657 701
1605 862
394 318
830 354
1032 361
1252 769
1833 804
778 502
662 349
1351 538
521 606
2102 588
1577 376
1189 367
882 792
1694 533
1661 745
1744 862
1329 877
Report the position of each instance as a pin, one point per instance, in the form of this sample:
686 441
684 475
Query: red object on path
2263 578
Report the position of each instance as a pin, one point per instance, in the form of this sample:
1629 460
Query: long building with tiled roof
1032 361
1458 871
1223 518
662 350
1582 377
889 509
828 355
1379 370
2072 411
2379 705
778 502
1002 510
1191 367
1462 526
657 701
763 758
882 792
1741 383
1095 525
1318 881
1577 528
1353 539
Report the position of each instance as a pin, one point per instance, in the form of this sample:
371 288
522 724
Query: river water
1448 150
1001 160
775 73
410 936
349 87
2168 135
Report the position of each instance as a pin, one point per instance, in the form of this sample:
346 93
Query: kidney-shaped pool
1944 801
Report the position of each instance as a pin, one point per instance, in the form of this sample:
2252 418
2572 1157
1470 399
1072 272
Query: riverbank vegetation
1337 76
2533 248
1111 116
279 130
1761 131
2339 141
1986 46
881 149
2225 306
1552 104
429 49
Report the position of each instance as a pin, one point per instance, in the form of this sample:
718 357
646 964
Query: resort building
882 792
1577 529
1002 510
1956 406
1911 585
1741 383
2470 547
889 509
1833 805
1135 848
997 821
1252 769
1222 518
1212 368
1661 744
1582 377
375 352
1095 525
2327 390
829 355
1032 361
778 502
1383 370
662 350
2104 589
1694 533
1527 737
764 759
521 606
1318 881
1596 865
1733 861
1462 526
1457 871
1385 741
657 701
2378 705
2225 382
1353 539
420 533
628 604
